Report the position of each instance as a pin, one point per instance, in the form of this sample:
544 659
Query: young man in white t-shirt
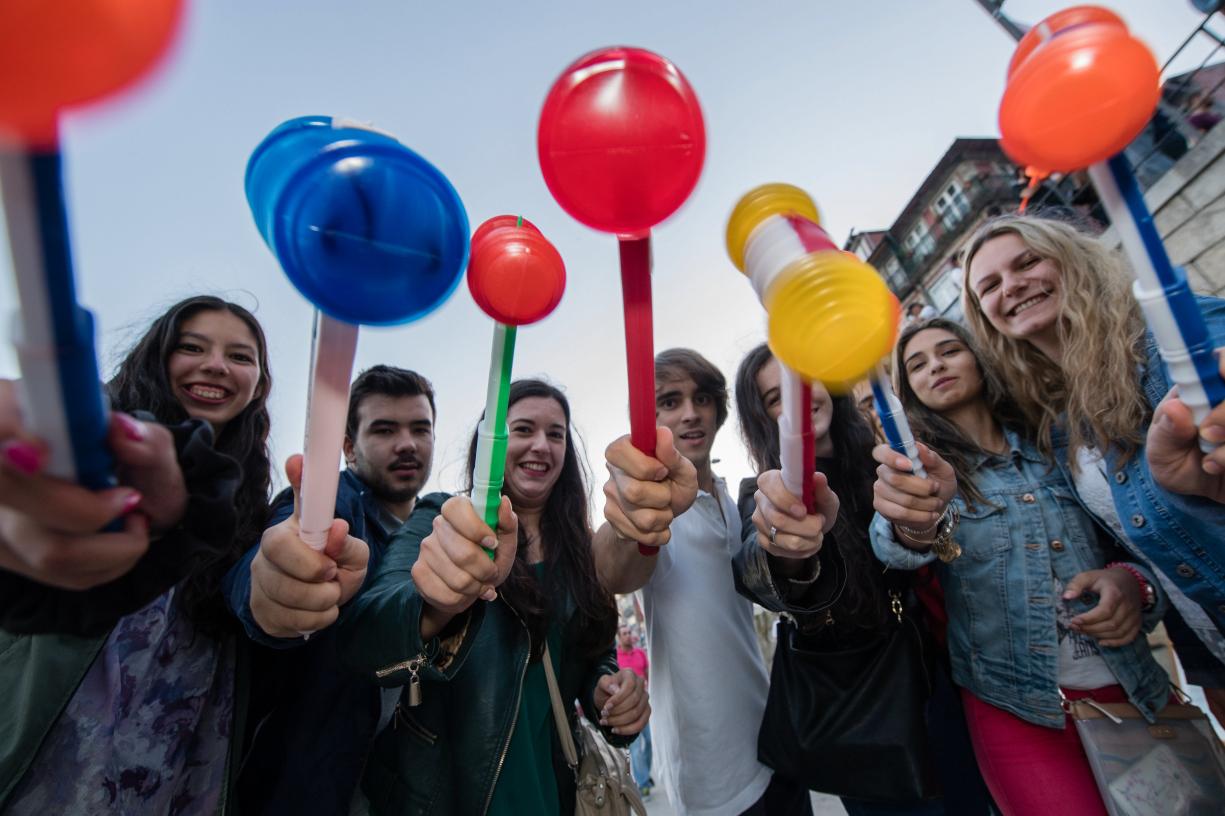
708 678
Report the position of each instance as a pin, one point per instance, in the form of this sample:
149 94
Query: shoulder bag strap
559 712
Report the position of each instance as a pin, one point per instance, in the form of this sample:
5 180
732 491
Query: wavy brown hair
1094 392
141 384
565 539
932 428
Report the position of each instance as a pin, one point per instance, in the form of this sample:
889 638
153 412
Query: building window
894 275
952 206
919 242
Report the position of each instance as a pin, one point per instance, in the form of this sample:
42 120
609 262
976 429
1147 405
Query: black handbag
851 722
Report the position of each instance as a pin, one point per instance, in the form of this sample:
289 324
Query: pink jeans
1032 770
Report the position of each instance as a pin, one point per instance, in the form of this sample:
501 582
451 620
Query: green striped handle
490 470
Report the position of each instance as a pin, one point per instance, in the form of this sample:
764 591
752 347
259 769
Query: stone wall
1188 206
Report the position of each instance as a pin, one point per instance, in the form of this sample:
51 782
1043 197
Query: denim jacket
1183 535
1000 594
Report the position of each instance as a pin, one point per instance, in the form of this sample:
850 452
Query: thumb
1078 585
293 473
337 535
665 449
932 460
825 500
1173 425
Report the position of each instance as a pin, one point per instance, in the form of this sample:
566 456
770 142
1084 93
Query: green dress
528 783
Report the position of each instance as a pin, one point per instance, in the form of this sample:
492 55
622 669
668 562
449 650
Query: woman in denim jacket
1054 312
1039 605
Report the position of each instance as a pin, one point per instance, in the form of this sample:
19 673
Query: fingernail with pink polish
130 503
133 428
22 456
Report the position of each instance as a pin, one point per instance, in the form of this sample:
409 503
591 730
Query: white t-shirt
708 678
1094 491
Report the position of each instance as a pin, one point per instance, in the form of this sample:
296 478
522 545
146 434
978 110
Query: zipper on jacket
413 667
402 717
515 718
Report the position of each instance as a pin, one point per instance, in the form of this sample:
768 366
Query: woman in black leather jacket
842 599
474 732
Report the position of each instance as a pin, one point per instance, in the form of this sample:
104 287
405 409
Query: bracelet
804 583
1147 593
927 530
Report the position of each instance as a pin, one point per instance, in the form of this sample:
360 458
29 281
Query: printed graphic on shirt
1080 660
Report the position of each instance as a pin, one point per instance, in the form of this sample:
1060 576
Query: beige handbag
605 786
1174 767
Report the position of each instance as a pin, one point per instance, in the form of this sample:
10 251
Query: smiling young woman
1091 384
135 713
474 731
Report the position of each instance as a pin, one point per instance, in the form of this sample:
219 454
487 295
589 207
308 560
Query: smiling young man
708 678
318 720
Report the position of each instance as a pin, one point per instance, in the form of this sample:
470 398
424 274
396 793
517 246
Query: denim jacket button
1185 571
1028 498
1120 477
1056 545
1138 520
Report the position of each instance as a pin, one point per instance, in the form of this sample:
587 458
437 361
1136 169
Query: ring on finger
773 534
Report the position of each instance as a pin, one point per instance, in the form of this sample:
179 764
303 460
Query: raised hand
909 500
453 570
645 493
784 527
1173 447
49 527
296 589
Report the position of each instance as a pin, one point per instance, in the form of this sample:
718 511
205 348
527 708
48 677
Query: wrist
1148 595
920 535
939 537
433 621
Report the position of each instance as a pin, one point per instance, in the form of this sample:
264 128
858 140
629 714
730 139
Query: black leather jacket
849 598
444 755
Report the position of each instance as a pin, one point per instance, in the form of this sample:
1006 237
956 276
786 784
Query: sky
853 101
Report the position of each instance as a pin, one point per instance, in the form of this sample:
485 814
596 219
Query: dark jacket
850 597
444 755
312 720
208 527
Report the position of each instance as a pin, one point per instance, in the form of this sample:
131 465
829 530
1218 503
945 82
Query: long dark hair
565 540
851 472
932 428
142 384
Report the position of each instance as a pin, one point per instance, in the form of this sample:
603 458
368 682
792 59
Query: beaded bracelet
1146 589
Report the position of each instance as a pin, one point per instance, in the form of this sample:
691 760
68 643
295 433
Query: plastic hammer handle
332 349
795 437
893 420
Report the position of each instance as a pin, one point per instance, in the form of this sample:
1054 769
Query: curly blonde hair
1094 391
